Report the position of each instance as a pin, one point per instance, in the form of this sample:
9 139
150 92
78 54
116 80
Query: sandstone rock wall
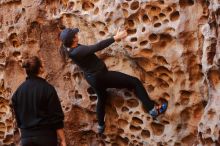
172 47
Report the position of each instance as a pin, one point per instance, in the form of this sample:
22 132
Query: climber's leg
101 94
113 79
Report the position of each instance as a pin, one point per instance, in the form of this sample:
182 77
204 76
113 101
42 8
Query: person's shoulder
20 87
80 46
44 83
76 50
51 87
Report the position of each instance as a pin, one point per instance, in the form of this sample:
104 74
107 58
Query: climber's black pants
38 137
40 141
112 79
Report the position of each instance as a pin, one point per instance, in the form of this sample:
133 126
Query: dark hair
32 65
66 36
64 52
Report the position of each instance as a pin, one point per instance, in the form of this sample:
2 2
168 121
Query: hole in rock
16 53
128 47
125 12
185 3
122 141
120 131
157 128
143 43
134 5
208 131
133 39
15 44
127 94
204 103
96 11
167 10
157 24
78 96
211 113
118 102
93 98
1 45
161 83
170 30
154 10
155 18
165 21
90 90
115 144
177 144
125 5
162 15
124 109
189 140
132 103
118 7
153 37
150 88
174 16
93 107
8 139
102 33
136 121
166 37
145 133
131 31
145 18
161 1
11 29
130 23
184 97
135 128
13 40
178 128
87 5
67 108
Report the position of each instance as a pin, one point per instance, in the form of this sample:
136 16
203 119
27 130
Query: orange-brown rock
172 47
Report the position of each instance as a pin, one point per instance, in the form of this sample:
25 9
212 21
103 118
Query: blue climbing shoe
101 129
163 108
156 112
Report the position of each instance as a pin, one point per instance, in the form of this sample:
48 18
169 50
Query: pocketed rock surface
172 47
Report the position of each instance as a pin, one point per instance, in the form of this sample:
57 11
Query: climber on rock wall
99 77
37 109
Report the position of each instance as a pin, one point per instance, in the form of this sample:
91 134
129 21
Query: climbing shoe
101 129
157 111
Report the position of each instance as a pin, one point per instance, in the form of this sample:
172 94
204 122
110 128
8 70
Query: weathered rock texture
173 48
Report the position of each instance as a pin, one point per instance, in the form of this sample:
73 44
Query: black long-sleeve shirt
84 56
37 106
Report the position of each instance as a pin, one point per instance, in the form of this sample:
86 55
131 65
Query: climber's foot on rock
101 129
157 110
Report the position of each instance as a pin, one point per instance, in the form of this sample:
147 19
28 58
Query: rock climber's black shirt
37 106
84 56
